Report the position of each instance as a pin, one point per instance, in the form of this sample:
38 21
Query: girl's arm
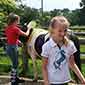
74 67
25 33
20 32
44 70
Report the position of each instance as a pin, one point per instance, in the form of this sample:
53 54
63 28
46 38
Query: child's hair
59 20
12 18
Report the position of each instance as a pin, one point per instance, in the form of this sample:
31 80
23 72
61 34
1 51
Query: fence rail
77 28
81 39
79 33
5 80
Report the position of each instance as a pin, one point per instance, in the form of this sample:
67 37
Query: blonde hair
59 20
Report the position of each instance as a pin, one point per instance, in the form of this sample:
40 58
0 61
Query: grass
5 64
83 69
5 67
82 48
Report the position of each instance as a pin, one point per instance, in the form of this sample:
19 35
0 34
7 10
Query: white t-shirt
58 69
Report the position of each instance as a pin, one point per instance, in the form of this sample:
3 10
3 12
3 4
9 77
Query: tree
82 12
6 6
55 12
73 17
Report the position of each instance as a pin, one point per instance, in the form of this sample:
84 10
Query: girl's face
58 33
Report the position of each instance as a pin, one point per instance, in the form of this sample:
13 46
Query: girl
12 33
58 55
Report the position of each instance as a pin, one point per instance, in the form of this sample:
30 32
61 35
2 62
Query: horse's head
26 27
23 27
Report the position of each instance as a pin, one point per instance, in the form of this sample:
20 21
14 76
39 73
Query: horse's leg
34 67
33 57
25 59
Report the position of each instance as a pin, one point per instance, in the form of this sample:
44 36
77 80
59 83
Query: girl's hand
83 81
46 83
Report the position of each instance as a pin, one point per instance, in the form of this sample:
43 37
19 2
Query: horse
37 37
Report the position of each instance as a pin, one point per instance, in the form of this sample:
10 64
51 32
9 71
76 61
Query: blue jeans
12 51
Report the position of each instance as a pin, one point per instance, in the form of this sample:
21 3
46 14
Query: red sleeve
18 31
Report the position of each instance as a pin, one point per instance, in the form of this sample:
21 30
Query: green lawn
82 48
83 69
5 64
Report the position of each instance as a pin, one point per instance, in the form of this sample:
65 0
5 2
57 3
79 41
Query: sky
53 4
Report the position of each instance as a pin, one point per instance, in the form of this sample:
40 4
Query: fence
30 82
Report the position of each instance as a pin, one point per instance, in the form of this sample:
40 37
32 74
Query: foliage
82 12
2 20
6 6
75 17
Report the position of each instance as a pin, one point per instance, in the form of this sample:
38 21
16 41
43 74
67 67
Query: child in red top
12 33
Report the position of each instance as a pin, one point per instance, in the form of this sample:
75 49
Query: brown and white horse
36 40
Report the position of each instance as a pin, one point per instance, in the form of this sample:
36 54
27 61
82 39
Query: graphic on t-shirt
58 62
